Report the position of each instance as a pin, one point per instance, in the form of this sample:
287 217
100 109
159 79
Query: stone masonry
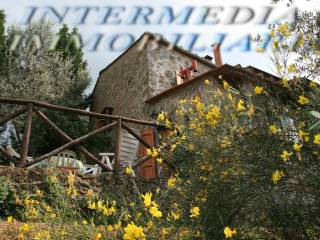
138 75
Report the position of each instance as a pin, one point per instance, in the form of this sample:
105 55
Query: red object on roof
186 73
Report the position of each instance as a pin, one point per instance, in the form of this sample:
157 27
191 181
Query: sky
109 27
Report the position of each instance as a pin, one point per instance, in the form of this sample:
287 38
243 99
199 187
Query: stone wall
29 180
137 76
169 102
163 64
124 85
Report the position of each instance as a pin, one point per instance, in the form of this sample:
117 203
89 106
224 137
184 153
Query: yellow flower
147 199
173 147
276 176
150 224
303 100
84 222
155 152
110 228
297 147
53 179
155 212
173 216
168 123
240 106
25 228
285 155
109 211
10 219
171 182
160 160
100 205
285 83
303 135
229 233
98 236
133 232
129 171
161 117
207 82
292 68
117 226
226 85
317 139
92 206
273 129
182 101
39 193
284 29
258 90
313 84
213 115
195 212
149 152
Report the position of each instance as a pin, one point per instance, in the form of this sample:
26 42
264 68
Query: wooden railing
29 107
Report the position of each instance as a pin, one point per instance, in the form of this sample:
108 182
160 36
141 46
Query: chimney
217 53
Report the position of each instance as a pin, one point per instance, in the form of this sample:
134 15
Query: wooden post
26 136
116 166
156 143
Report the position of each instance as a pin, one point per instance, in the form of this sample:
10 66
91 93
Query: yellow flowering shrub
244 150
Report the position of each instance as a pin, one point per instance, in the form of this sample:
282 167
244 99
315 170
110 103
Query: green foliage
58 77
7 197
67 46
3 50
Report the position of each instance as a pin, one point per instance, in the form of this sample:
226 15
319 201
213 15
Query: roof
165 42
227 71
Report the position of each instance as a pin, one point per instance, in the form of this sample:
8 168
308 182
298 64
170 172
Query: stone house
154 74
145 79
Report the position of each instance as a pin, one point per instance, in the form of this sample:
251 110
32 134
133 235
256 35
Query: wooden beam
13 115
67 139
77 111
26 135
116 166
69 145
6 154
141 161
137 136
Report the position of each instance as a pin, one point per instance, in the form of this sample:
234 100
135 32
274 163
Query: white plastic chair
96 169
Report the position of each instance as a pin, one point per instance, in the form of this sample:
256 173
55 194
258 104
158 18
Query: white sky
16 11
